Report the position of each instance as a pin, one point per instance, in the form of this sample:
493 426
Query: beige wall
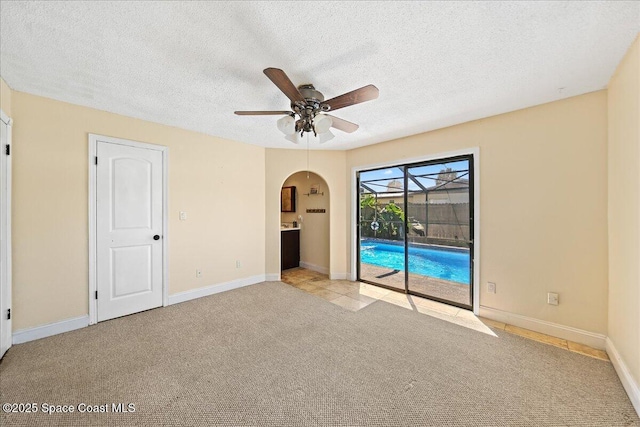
330 165
550 155
315 227
208 179
5 97
543 205
624 209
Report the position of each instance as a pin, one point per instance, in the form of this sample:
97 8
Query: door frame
5 202
93 212
475 153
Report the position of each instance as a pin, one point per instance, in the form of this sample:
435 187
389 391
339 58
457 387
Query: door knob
156 237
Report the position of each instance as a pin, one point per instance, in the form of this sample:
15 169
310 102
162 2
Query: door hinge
8 150
9 314
96 160
96 294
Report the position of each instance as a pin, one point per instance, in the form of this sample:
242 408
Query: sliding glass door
382 227
416 229
439 211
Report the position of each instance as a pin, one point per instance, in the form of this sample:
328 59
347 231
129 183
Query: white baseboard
338 276
272 277
43 331
67 325
214 289
581 336
628 382
309 266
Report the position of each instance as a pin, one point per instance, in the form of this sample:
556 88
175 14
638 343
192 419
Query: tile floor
443 289
355 296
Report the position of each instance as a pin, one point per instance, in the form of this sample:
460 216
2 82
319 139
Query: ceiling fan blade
262 113
366 93
280 79
342 124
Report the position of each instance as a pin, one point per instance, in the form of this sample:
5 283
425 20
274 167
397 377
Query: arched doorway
307 215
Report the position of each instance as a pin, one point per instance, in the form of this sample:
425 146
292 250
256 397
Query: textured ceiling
191 64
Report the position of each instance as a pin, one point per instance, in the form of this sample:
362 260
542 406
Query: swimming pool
447 264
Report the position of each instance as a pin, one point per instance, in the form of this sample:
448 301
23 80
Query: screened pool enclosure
415 230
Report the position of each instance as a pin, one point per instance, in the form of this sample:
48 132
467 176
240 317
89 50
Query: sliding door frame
474 172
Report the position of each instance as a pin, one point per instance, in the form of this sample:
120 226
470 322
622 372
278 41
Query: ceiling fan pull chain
307 155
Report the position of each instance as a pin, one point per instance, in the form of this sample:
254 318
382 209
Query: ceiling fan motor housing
312 101
309 109
310 93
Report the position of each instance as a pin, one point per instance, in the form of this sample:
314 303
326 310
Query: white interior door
129 229
5 235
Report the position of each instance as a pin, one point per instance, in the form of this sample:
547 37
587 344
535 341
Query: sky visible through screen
387 175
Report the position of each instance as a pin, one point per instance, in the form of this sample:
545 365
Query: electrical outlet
238 264
553 298
491 287
183 216
198 273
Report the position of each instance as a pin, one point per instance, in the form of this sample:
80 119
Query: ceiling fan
309 106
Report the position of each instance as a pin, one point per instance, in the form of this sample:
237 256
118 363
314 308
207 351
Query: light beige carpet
272 355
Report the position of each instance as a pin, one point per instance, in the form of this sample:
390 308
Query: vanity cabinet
289 248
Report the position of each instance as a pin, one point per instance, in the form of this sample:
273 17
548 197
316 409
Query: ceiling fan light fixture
321 138
293 138
322 123
287 125
324 137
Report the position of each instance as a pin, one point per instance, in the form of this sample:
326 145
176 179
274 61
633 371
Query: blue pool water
447 264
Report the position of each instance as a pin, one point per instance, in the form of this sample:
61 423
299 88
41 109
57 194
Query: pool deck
439 288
